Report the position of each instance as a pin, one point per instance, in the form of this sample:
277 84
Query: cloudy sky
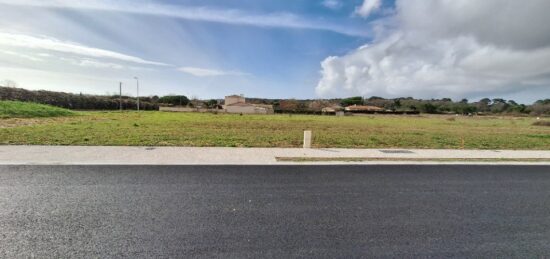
280 49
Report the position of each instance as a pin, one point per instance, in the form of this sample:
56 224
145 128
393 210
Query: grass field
194 129
12 109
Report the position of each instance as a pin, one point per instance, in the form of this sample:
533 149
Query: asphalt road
274 211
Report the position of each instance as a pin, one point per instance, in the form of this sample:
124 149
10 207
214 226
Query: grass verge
14 109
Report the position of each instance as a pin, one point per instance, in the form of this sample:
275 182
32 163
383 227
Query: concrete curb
108 155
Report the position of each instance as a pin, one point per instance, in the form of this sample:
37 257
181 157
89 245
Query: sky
280 49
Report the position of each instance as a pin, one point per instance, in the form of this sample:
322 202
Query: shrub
181 100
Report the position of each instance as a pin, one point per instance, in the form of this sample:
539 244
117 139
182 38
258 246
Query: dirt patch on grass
21 122
12 123
542 123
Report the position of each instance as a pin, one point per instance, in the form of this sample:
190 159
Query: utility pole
120 96
137 82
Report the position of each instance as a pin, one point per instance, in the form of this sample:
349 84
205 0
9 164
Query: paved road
275 211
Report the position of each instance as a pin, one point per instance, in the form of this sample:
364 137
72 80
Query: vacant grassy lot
12 109
193 129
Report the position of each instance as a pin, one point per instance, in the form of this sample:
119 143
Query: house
237 104
233 99
363 109
332 109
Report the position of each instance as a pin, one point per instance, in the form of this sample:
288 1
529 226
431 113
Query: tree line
78 101
405 104
463 106
434 106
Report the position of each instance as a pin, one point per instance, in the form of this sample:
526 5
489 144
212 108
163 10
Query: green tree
429 108
357 100
486 101
397 103
181 100
212 103
498 100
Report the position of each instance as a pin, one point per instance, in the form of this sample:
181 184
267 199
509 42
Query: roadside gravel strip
104 155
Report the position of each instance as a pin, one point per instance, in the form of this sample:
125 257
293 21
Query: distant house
233 99
237 104
332 109
364 108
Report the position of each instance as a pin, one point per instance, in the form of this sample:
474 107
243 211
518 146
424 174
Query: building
332 109
237 104
233 99
364 109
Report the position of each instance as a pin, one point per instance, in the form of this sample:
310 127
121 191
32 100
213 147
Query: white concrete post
307 139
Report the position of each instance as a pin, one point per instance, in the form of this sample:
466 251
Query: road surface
275 211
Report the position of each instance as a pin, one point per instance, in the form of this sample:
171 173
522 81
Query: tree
499 106
387 104
302 106
484 105
155 98
181 100
288 105
429 108
540 108
397 103
498 100
318 105
357 100
486 101
464 108
212 103
372 98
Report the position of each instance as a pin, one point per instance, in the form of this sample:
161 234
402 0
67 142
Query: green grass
13 109
194 129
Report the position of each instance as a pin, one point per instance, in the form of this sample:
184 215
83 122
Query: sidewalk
94 155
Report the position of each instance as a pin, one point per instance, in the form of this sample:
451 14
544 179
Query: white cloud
51 44
332 4
227 16
368 7
205 72
99 64
20 55
37 79
448 48
518 24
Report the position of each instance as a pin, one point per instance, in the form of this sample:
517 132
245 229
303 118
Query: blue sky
274 49
263 60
